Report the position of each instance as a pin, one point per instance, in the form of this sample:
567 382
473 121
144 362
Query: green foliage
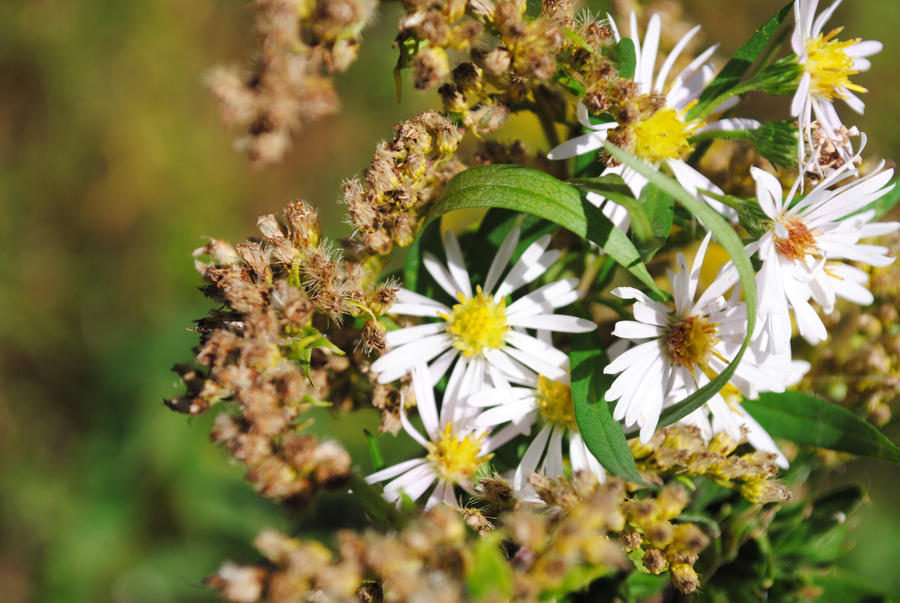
776 554
625 56
490 574
601 433
808 420
722 87
774 140
537 193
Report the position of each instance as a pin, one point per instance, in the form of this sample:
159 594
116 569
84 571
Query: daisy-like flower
802 249
679 352
664 136
827 65
486 339
545 402
456 448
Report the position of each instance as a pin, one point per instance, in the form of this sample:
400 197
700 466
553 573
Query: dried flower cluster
301 44
587 532
682 450
387 205
265 352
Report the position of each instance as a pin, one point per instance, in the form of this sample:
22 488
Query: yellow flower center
663 135
554 401
793 240
829 67
456 459
690 341
477 323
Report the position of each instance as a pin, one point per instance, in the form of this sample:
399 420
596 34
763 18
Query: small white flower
827 65
663 138
548 403
799 250
485 338
679 352
456 448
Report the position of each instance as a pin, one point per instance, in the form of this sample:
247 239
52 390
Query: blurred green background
113 167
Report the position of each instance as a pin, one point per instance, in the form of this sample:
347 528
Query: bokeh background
113 167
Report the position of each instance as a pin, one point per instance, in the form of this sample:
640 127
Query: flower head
456 448
483 338
828 63
678 352
661 135
803 248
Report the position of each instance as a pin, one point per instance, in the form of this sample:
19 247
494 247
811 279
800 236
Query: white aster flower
663 138
827 65
546 402
485 338
680 351
456 448
802 249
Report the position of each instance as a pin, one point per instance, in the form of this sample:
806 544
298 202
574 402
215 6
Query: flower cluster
576 428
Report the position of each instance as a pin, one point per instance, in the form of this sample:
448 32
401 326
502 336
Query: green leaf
775 140
490 574
627 57
811 421
661 209
614 188
540 194
602 434
374 451
732 244
734 69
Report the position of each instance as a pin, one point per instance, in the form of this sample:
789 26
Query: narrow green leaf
661 209
601 433
811 421
732 244
540 194
614 188
735 68
374 451
627 58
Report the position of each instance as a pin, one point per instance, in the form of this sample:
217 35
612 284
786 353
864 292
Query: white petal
425 403
394 470
553 322
531 458
629 329
404 357
440 274
768 192
498 265
579 145
456 264
407 334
